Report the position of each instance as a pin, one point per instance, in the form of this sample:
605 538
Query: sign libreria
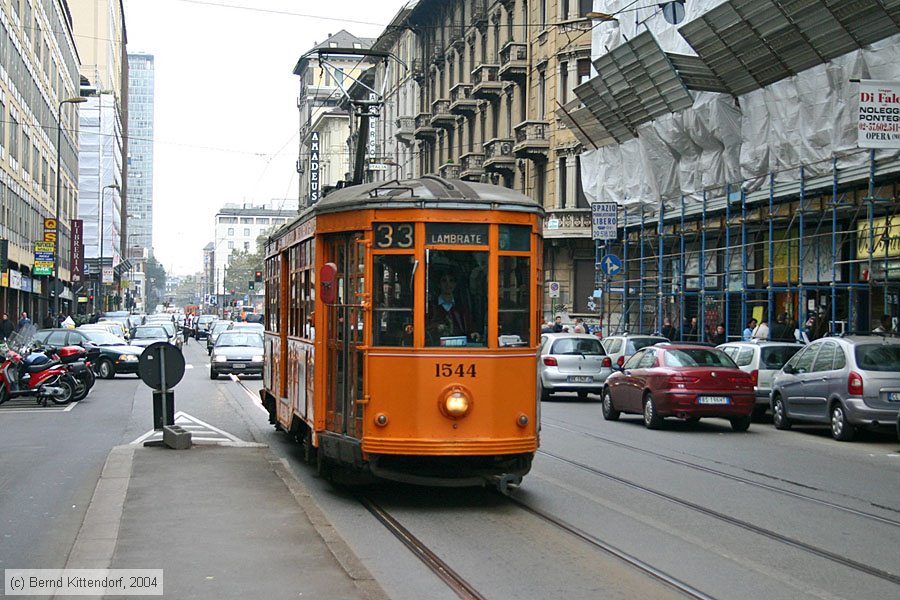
879 114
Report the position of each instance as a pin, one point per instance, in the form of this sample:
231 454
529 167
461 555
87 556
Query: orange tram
402 328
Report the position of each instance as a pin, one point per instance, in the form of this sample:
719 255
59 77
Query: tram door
344 335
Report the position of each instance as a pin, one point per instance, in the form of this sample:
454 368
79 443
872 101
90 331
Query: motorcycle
78 362
42 380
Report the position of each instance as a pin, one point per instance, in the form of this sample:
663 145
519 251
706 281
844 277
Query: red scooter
47 381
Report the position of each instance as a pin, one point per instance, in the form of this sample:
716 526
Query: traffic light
257 277
250 284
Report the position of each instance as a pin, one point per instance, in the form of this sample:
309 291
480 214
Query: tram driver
448 316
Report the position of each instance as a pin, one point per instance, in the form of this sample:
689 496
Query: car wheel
652 420
106 369
841 429
545 395
740 423
779 414
213 374
609 411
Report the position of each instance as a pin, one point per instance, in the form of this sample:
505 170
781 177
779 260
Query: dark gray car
846 382
239 352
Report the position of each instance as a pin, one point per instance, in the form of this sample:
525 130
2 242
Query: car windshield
577 346
207 319
240 339
103 338
220 326
169 327
146 333
775 357
698 357
878 357
639 343
249 326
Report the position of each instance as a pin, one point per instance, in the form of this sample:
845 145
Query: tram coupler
503 482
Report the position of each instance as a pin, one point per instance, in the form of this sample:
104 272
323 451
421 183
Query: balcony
471 166
449 170
461 101
406 129
479 13
532 140
424 130
437 56
498 155
514 62
441 116
486 82
567 223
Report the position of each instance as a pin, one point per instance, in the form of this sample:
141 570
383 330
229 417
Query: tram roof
426 192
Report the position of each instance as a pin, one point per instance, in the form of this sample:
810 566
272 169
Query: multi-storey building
208 278
100 32
38 73
477 103
729 135
237 229
140 151
322 82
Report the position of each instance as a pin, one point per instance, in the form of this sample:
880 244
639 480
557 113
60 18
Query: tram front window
456 314
392 310
514 301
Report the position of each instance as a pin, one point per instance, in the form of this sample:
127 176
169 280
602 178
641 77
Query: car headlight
257 358
219 358
128 358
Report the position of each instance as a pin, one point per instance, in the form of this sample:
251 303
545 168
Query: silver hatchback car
572 362
846 382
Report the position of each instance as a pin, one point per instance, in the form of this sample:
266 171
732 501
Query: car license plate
893 396
238 365
580 379
713 400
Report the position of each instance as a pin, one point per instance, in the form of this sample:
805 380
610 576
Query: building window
543 14
584 7
581 200
231 231
584 70
246 232
563 183
14 138
262 221
227 220
231 245
540 183
542 93
246 246
563 82
246 220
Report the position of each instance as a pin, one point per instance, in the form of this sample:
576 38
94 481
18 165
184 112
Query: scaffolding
824 245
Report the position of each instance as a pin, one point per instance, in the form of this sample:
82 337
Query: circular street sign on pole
161 366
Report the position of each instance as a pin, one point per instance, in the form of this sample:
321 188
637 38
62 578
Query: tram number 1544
451 369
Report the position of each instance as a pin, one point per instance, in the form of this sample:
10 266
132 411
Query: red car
680 380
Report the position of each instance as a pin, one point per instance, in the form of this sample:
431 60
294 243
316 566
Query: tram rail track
744 480
740 523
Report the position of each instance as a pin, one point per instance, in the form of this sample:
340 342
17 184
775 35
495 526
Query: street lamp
56 261
112 186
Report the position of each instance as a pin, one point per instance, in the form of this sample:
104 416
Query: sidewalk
222 522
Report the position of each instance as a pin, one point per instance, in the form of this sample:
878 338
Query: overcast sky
225 109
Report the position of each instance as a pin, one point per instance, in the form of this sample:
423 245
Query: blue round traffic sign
611 265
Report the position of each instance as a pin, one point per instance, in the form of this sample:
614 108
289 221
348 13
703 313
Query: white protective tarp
806 120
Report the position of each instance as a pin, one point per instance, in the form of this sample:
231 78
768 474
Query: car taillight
855 384
607 362
550 361
754 376
621 360
683 379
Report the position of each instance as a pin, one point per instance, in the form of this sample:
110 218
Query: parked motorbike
26 376
78 362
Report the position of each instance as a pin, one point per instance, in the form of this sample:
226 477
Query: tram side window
456 289
392 310
515 300
273 293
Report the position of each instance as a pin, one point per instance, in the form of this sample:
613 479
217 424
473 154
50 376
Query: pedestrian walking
761 332
49 322
668 330
693 332
747 334
6 327
24 321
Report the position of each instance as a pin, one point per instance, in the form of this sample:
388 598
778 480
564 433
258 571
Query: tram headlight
456 402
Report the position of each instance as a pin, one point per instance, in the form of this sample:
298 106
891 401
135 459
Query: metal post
659 279
626 312
871 236
727 287
641 282
771 266
681 276
834 202
701 268
744 316
801 294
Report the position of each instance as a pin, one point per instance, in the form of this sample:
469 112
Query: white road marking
188 366
203 430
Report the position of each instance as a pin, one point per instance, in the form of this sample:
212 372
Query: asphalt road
734 515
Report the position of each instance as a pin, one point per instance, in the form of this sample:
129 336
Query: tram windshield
456 289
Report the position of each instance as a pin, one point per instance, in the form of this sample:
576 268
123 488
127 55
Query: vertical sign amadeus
313 168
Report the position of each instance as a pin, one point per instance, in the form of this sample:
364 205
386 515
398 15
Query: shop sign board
885 238
879 114
76 249
108 275
314 153
603 220
15 279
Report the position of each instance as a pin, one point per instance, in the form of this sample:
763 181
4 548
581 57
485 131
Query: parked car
248 326
687 381
238 352
761 359
144 335
572 362
214 331
116 355
620 347
174 332
845 382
